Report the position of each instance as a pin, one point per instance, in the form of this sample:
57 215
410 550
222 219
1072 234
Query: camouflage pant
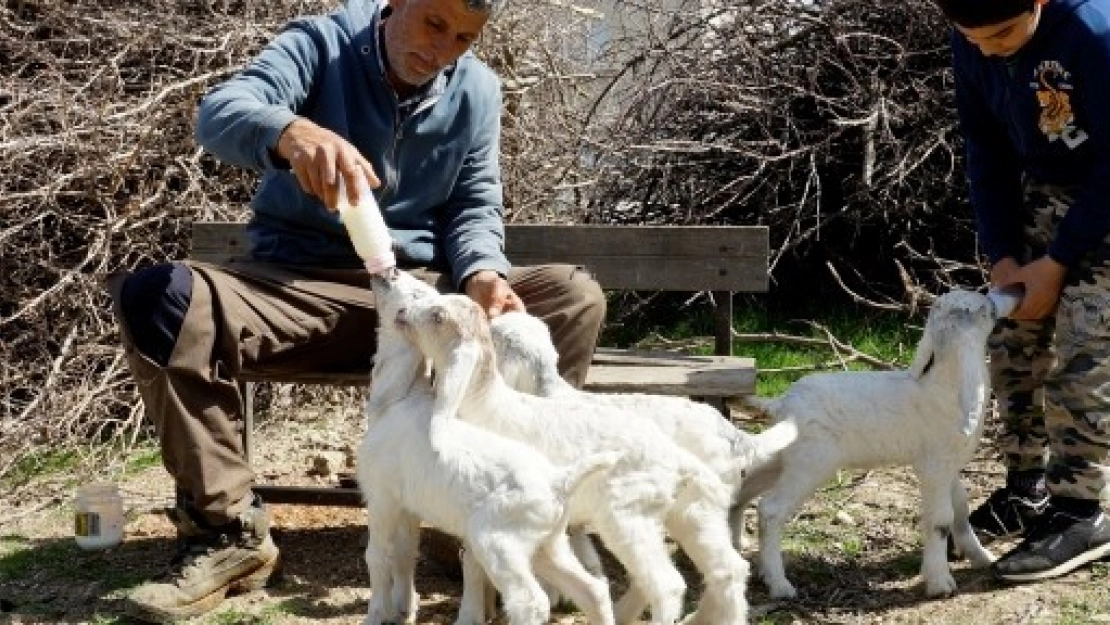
1052 377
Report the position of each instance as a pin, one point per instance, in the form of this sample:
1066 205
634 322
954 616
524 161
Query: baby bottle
1007 298
98 516
366 228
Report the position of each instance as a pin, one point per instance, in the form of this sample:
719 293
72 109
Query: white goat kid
656 485
507 504
528 361
929 417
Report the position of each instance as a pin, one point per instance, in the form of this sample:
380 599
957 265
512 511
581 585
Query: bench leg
246 389
723 314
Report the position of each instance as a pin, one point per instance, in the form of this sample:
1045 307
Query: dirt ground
853 553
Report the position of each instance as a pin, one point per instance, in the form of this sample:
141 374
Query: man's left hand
493 293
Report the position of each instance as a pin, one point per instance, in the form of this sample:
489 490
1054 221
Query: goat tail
754 451
571 477
766 407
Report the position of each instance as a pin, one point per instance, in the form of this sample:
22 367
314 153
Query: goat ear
452 382
924 355
396 367
974 388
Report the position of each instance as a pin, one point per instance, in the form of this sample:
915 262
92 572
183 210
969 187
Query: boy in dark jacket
1033 95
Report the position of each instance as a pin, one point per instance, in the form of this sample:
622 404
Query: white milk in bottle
366 228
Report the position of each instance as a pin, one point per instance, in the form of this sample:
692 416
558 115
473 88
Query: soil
853 552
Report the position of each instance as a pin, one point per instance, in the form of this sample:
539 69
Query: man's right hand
317 155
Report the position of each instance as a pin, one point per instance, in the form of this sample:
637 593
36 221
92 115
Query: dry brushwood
102 174
831 121
828 121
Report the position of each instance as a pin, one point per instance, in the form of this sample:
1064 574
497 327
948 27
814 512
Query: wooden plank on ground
616 356
710 381
310 495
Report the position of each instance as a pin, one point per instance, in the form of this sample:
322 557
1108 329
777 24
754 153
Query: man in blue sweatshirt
388 92
1033 95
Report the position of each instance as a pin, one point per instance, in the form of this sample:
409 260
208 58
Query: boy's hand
1044 281
317 156
1004 272
492 292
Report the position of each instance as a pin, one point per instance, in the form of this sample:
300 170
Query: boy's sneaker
1071 533
1009 511
210 563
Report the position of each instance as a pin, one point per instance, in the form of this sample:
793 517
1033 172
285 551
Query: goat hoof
783 590
944 586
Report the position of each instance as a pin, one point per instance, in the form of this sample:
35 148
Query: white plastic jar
98 516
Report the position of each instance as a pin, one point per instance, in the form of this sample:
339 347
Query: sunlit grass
885 337
39 463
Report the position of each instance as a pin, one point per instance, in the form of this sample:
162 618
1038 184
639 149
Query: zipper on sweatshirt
390 175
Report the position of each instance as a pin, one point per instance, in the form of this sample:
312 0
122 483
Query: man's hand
317 155
1043 280
492 292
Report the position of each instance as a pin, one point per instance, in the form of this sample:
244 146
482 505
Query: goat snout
403 318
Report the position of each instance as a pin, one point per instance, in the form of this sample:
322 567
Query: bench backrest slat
666 258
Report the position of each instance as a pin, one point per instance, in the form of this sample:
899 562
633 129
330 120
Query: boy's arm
993 168
1088 220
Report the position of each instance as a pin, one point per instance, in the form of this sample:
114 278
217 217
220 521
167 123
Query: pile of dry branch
828 120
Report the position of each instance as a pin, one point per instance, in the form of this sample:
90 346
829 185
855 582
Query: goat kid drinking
508 505
656 485
929 417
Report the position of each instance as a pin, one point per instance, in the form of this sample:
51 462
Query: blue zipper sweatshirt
441 193
1042 113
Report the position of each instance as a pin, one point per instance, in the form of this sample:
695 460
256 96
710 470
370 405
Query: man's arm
241 120
252 121
473 229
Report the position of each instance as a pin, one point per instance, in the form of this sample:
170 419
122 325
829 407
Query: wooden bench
720 259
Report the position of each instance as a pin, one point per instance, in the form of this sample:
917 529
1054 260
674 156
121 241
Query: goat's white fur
528 361
929 417
507 504
656 485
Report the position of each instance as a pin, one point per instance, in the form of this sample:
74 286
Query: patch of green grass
1080 611
142 460
887 337
60 559
39 463
238 617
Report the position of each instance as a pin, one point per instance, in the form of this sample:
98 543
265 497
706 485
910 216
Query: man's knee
585 289
153 302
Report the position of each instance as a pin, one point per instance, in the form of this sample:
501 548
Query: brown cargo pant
1052 376
246 315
